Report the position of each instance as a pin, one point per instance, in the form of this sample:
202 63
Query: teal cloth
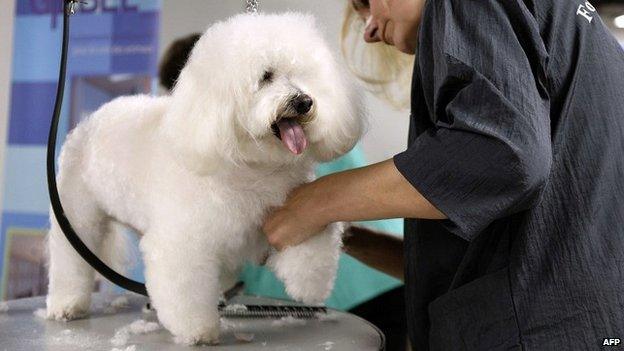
355 282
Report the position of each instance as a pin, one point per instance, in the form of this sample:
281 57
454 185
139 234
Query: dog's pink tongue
292 135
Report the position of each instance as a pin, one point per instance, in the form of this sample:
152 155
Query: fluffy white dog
260 101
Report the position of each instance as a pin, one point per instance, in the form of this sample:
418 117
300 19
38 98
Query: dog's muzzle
302 104
289 126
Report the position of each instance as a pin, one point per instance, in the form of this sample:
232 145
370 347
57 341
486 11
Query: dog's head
262 89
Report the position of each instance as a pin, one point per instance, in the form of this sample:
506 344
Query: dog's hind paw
65 314
67 308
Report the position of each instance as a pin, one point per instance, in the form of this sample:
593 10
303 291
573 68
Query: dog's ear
341 120
194 125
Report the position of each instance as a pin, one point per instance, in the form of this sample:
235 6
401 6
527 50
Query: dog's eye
267 76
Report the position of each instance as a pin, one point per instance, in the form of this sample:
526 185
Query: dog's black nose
302 104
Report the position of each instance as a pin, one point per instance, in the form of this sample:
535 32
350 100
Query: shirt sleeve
488 154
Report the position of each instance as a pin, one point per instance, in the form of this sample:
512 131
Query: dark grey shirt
517 135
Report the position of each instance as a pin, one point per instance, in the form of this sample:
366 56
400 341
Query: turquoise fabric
355 282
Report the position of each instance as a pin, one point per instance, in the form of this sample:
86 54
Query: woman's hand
298 219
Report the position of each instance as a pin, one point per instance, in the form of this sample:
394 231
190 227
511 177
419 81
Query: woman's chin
406 48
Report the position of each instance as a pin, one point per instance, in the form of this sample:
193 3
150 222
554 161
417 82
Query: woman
512 183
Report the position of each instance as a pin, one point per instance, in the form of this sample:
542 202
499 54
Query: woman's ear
194 125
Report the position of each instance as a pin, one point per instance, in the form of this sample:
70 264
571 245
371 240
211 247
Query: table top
122 322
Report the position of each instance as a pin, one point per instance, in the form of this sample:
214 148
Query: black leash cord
57 208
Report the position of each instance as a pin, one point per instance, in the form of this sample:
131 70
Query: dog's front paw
309 269
190 328
308 284
66 308
309 291
208 337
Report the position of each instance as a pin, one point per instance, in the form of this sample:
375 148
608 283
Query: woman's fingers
291 224
273 228
282 229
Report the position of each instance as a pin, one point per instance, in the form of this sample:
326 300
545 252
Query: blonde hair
383 69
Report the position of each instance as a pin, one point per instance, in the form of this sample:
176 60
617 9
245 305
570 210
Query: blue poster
113 51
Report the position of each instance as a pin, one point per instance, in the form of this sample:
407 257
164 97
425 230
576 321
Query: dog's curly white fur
196 172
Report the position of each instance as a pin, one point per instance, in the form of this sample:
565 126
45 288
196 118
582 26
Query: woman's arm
374 192
378 250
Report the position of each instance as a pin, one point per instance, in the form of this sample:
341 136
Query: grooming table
22 330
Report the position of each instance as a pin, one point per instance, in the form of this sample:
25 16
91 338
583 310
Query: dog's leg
308 270
228 277
182 279
115 248
70 277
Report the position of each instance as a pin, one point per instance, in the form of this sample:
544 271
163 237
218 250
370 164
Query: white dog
260 101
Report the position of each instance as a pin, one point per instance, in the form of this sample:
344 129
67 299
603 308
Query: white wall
609 13
6 54
387 134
